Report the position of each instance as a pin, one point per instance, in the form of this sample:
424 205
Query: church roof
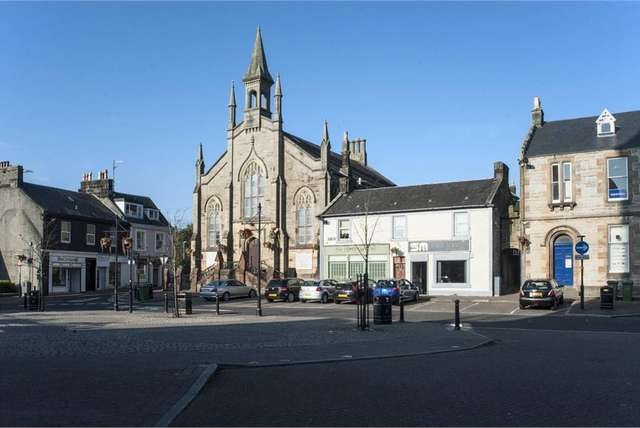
580 135
423 197
368 174
258 67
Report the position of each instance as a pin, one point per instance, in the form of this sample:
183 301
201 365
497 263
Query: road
80 363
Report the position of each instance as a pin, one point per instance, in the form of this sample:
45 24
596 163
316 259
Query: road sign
582 256
582 247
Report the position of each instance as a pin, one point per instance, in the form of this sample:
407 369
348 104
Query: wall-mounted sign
304 261
418 246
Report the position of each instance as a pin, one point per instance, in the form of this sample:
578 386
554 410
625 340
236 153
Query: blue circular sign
582 247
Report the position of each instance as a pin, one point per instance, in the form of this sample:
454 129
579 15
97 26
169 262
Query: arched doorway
252 253
563 260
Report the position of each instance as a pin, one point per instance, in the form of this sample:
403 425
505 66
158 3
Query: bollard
188 304
25 301
457 315
166 302
217 304
401 308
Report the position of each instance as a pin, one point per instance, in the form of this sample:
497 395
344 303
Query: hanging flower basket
105 243
246 233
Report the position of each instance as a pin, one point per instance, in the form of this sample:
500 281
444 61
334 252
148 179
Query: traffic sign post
582 248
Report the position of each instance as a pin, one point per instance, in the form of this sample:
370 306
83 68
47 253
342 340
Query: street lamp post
259 310
132 264
163 260
115 276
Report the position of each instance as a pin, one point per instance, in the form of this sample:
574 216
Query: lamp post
132 264
115 276
259 310
163 260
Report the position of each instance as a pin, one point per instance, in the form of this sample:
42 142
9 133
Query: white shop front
66 272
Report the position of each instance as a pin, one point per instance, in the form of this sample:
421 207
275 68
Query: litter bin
606 297
627 290
188 304
382 310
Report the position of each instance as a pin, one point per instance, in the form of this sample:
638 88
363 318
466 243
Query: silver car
322 291
226 289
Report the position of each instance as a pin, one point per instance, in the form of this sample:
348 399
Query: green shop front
346 262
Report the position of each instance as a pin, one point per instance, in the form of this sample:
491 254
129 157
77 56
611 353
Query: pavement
81 363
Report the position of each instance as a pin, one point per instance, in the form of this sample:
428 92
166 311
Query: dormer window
132 210
152 214
606 124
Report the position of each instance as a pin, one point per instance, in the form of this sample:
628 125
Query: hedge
7 286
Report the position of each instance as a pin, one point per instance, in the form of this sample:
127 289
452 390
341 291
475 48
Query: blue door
563 260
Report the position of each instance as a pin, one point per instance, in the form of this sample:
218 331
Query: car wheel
252 293
291 297
416 298
324 299
226 297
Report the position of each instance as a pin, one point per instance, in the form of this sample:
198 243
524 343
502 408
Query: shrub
7 286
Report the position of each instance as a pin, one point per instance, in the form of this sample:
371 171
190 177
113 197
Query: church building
291 179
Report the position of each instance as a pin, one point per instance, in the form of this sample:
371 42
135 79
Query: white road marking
515 310
470 306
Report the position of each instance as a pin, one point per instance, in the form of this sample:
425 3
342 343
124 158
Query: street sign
582 247
582 256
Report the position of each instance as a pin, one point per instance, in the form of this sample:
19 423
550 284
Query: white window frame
626 177
65 232
91 236
567 184
622 245
152 214
161 241
347 228
129 213
394 235
456 233
141 244
555 184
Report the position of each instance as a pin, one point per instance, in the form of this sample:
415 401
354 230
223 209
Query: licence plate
343 295
536 294
273 295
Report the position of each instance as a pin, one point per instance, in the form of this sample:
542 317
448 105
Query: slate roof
424 197
580 135
67 203
367 173
146 202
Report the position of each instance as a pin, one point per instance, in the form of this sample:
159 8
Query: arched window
253 99
214 226
304 207
253 189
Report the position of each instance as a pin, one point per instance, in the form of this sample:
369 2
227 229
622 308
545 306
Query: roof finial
278 92
325 132
232 95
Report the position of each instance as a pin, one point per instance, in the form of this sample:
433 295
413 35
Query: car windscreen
216 284
536 285
277 283
386 284
310 284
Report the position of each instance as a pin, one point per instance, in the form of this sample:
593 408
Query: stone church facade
290 178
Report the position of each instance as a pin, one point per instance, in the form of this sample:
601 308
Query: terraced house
579 177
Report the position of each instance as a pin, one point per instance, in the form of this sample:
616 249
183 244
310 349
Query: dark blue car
395 288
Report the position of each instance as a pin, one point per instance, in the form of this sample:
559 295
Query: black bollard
166 302
457 315
401 308
25 301
217 304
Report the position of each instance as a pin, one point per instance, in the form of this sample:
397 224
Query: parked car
346 291
226 289
541 292
286 289
396 289
322 291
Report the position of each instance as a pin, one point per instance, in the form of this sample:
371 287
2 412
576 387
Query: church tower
257 86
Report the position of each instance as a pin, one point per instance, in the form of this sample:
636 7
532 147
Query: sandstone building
291 178
579 177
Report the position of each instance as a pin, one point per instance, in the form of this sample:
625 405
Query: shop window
356 268
619 248
377 270
618 179
338 270
65 232
452 271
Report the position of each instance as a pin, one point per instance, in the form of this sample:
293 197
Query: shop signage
66 259
103 261
453 245
418 246
343 250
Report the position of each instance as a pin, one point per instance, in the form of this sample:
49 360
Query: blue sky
439 90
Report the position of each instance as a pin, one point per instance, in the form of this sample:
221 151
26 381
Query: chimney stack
102 187
11 175
537 114
501 171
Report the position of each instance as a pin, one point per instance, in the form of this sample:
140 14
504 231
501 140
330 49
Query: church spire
325 146
325 133
258 67
232 108
200 162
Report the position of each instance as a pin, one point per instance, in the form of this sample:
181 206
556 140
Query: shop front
346 262
66 273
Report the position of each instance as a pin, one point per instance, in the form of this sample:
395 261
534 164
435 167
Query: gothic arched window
304 207
214 225
253 99
252 189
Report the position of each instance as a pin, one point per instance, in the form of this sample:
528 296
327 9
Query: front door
563 260
91 274
419 276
